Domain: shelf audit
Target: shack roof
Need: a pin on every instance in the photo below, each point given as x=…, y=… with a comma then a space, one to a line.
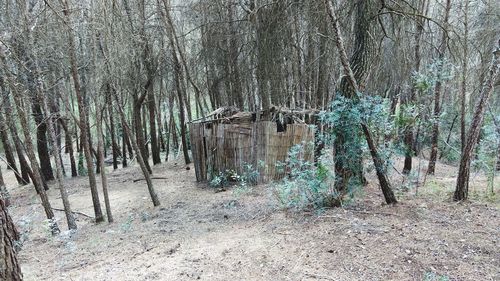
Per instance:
x=231, y=114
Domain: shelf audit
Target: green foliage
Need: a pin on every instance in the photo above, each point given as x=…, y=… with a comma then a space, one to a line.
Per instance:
x=82, y=171
x=487, y=152
x=127, y=225
x=343, y=122
x=431, y=276
x=307, y=186
x=438, y=71
x=249, y=176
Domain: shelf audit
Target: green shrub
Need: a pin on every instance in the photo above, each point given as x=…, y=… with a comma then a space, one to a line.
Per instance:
x=307, y=186
x=82, y=171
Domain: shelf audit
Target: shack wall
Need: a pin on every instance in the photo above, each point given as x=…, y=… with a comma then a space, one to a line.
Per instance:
x=218, y=147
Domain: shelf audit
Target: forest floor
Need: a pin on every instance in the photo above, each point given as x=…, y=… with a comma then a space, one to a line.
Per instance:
x=198, y=233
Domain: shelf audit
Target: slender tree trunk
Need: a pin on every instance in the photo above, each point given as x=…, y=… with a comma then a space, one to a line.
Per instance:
x=57, y=157
x=84, y=130
x=42, y=142
x=409, y=138
x=9, y=265
x=139, y=133
x=180, y=100
x=124, y=148
x=26, y=173
x=140, y=160
x=4, y=193
x=381, y=173
x=346, y=169
x=37, y=176
x=437, y=93
x=463, y=90
x=69, y=147
x=114, y=145
x=100, y=152
x=9, y=154
x=462, y=187
x=155, y=148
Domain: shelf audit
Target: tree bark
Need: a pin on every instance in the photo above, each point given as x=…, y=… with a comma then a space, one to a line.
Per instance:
x=114, y=145
x=100, y=152
x=42, y=142
x=437, y=93
x=9, y=265
x=409, y=138
x=37, y=176
x=82, y=108
x=155, y=148
x=26, y=173
x=3, y=190
x=9, y=154
x=359, y=63
x=140, y=160
x=462, y=187
x=463, y=90
x=57, y=156
x=69, y=147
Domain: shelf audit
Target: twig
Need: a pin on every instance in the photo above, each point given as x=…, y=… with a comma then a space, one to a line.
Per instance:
x=74, y=212
x=153, y=178
x=316, y=276
x=374, y=213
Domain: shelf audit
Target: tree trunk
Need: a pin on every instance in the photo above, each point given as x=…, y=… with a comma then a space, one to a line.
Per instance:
x=9, y=265
x=37, y=176
x=69, y=147
x=381, y=173
x=359, y=62
x=140, y=160
x=410, y=97
x=155, y=148
x=57, y=156
x=462, y=187
x=9, y=154
x=84, y=130
x=4, y=193
x=139, y=133
x=42, y=142
x=437, y=93
x=124, y=147
x=463, y=90
x=114, y=145
x=26, y=173
x=100, y=153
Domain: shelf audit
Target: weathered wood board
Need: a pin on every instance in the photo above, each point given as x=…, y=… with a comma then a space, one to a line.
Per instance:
x=218, y=147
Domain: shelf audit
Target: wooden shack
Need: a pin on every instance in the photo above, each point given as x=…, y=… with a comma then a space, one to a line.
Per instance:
x=228, y=140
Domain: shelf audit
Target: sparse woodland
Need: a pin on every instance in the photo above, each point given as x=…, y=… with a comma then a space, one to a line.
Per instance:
x=96, y=98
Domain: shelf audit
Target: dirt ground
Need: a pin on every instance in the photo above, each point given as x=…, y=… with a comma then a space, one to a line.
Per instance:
x=199, y=234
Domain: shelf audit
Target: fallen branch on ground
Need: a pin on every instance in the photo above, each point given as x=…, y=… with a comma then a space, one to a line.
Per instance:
x=74, y=212
x=153, y=178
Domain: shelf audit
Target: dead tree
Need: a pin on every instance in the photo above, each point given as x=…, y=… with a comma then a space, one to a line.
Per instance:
x=462, y=187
